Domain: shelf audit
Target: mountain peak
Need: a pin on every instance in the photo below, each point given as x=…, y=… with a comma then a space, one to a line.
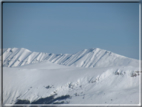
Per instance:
x=93, y=57
x=91, y=49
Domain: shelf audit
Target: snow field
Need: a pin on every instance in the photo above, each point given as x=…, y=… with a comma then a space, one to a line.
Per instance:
x=84, y=85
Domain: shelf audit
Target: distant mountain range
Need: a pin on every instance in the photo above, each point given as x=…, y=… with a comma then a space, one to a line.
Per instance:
x=88, y=58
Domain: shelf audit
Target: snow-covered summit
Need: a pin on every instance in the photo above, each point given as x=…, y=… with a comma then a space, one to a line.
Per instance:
x=88, y=58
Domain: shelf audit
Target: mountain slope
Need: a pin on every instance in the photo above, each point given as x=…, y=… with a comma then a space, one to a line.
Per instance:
x=91, y=76
x=88, y=58
x=33, y=82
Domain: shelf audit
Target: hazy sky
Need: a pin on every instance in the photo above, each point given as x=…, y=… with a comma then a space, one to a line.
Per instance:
x=71, y=27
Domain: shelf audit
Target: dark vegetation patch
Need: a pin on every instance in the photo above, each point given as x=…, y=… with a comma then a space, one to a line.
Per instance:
x=135, y=73
x=47, y=87
x=46, y=100
x=19, y=101
x=62, y=97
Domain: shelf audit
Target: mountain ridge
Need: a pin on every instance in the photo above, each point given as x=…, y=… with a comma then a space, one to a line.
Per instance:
x=88, y=58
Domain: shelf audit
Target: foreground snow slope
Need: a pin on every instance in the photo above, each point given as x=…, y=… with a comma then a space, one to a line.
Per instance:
x=88, y=58
x=107, y=85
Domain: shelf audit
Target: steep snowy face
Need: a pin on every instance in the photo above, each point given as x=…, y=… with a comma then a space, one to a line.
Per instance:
x=13, y=57
x=88, y=58
x=99, y=58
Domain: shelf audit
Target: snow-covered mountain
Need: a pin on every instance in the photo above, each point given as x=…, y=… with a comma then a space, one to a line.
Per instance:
x=88, y=58
x=91, y=76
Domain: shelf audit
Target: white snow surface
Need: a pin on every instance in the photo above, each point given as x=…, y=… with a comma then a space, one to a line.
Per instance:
x=91, y=76
x=88, y=58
